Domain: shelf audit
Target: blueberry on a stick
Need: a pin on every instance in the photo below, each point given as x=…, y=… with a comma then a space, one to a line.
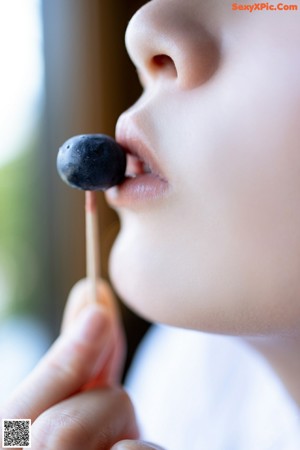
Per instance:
x=91, y=162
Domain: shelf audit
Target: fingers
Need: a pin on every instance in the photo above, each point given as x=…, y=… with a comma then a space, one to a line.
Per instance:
x=78, y=299
x=91, y=420
x=135, y=445
x=72, y=361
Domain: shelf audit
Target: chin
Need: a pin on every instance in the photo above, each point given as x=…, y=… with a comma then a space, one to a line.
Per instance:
x=210, y=294
x=146, y=283
x=132, y=279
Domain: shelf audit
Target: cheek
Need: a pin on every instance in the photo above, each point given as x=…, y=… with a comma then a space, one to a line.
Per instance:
x=255, y=186
x=258, y=173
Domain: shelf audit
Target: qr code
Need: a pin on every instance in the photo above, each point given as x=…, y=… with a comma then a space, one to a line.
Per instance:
x=16, y=433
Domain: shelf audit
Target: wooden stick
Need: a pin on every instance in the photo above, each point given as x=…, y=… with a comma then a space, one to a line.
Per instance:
x=92, y=242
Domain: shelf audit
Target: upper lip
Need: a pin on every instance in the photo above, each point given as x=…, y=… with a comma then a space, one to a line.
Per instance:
x=134, y=142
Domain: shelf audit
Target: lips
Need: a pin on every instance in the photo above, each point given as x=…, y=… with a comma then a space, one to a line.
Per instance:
x=144, y=179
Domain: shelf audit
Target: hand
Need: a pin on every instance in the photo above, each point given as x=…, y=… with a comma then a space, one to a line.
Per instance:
x=72, y=396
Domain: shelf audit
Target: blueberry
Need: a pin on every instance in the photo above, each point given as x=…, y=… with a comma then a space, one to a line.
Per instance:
x=91, y=162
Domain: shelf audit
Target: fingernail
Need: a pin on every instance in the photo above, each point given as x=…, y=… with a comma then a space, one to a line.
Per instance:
x=135, y=445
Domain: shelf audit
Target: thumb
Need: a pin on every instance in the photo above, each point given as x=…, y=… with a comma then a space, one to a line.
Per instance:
x=135, y=445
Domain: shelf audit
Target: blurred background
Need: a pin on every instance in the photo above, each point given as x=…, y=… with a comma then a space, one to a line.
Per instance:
x=64, y=71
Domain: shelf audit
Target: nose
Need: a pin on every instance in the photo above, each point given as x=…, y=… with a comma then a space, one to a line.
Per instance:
x=163, y=40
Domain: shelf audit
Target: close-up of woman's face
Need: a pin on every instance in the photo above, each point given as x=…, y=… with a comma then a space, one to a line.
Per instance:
x=210, y=220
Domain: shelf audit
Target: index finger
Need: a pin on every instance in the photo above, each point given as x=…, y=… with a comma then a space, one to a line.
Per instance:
x=69, y=364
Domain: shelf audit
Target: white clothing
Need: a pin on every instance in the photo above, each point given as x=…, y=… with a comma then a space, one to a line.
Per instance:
x=196, y=391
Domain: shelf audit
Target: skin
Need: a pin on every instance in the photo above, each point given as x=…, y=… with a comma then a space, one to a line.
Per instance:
x=220, y=252
x=78, y=381
x=225, y=128
x=221, y=111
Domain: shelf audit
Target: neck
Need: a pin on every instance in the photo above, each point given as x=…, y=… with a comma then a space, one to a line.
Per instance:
x=283, y=354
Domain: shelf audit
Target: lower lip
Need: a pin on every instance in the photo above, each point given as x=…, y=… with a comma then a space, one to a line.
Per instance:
x=138, y=190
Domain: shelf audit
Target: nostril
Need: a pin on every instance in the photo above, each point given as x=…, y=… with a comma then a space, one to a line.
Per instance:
x=162, y=60
x=163, y=63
